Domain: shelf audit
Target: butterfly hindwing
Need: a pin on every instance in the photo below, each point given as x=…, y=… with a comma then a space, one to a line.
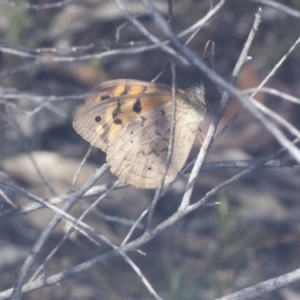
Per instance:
x=140, y=158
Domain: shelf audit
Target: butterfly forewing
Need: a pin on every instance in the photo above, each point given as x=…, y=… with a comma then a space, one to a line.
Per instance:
x=122, y=87
x=101, y=124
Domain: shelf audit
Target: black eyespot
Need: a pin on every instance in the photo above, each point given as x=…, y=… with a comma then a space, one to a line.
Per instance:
x=137, y=107
x=118, y=121
x=98, y=119
x=103, y=97
x=149, y=168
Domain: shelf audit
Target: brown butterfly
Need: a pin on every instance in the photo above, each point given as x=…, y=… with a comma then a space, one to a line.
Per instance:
x=130, y=120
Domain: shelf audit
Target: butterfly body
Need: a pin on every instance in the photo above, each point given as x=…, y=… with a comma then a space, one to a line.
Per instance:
x=131, y=120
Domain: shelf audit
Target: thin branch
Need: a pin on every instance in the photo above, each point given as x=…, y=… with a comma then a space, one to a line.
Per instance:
x=47, y=231
x=86, y=156
x=146, y=237
x=96, y=190
x=213, y=127
x=172, y=133
x=265, y=287
x=38, y=6
x=281, y=7
x=71, y=229
x=273, y=92
x=279, y=64
x=204, y=21
x=194, y=60
x=147, y=34
x=259, y=88
x=134, y=226
x=25, y=143
x=45, y=59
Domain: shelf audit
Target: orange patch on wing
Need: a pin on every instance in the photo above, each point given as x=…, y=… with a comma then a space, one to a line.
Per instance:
x=147, y=103
x=135, y=89
x=118, y=90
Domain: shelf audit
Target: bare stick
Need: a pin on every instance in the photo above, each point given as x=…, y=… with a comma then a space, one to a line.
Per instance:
x=36, y=6
x=281, y=7
x=172, y=133
x=194, y=60
x=52, y=224
x=213, y=127
x=265, y=287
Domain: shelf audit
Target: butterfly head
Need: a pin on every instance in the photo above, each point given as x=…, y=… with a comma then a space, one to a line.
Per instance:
x=198, y=90
x=195, y=96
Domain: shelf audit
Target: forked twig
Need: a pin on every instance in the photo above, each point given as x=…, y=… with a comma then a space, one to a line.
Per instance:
x=281, y=7
x=48, y=230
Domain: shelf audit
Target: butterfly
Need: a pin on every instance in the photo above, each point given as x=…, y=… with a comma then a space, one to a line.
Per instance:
x=131, y=120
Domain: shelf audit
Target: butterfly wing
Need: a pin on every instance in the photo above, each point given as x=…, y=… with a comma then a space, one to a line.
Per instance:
x=140, y=158
x=122, y=87
x=131, y=121
x=100, y=125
